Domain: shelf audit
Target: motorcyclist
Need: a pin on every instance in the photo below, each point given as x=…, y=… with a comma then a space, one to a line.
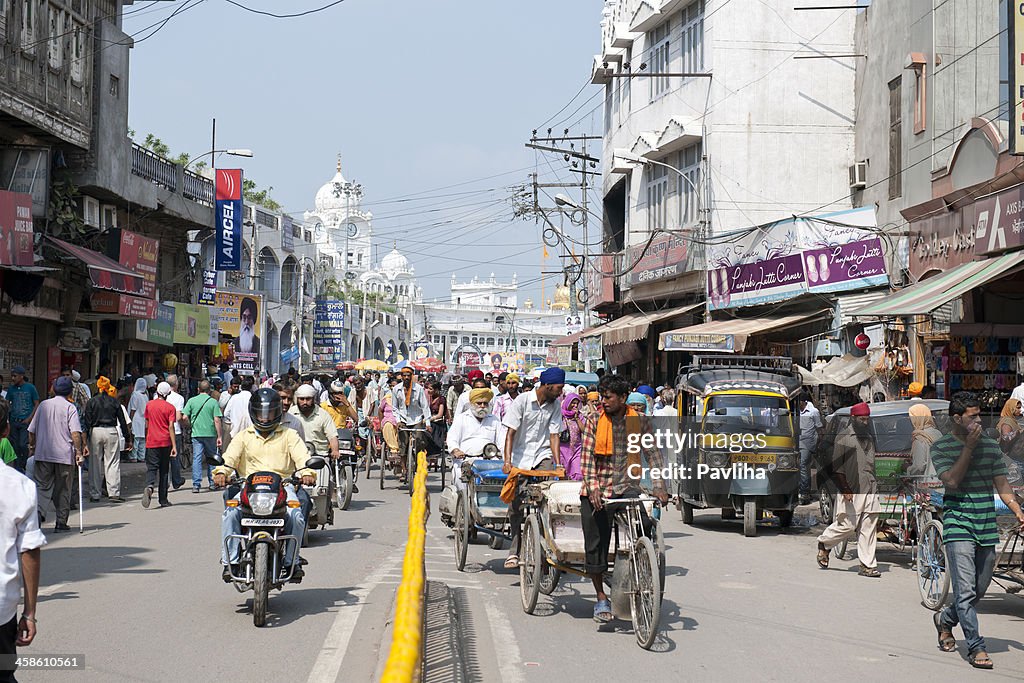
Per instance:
x=265, y=446
x=473, y=430
x=337, y=405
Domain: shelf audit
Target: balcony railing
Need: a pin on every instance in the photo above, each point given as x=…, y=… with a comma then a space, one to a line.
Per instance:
x=167, y=174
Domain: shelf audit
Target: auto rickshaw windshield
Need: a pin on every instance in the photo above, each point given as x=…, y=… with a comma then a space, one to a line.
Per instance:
x=737, y=414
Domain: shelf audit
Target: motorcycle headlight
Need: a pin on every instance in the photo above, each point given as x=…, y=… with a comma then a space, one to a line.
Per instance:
x=491, y=450
x=787, y=462
x=345, y=445
x=718, y=459
x=262, y=503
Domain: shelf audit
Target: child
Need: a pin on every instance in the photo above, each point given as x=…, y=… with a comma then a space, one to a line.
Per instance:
x=7, y=453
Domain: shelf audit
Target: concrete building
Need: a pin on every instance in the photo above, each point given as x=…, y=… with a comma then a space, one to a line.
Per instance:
x=711, y=128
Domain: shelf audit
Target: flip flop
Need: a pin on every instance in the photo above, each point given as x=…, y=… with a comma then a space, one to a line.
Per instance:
x=947, y=643
x=512, y=562
x=603, y=612
x=977, y=661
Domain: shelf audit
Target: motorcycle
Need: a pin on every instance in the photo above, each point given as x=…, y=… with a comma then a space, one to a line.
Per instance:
x=346, y=468
x=264, y=546
x=321, y=497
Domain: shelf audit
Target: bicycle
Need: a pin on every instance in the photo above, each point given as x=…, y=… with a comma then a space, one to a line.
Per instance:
x=411, y=450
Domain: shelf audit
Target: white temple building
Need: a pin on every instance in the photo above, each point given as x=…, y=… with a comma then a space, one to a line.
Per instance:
x=341, y=229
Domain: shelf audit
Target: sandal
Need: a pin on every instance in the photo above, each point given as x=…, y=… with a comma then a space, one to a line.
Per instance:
x=603, y=612
x=512, y=562
x=947, y=643
x=822, y=556
x=980, y=660
x=870, y=572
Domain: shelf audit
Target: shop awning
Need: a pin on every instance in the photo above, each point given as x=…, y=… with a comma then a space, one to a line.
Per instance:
x=570, y=339
x=730, y=336
x=635, y=326
x=926, y=296
x=105, y=272
x=841, y=371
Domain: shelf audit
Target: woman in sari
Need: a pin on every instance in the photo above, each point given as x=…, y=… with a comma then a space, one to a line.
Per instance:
x=572, y=436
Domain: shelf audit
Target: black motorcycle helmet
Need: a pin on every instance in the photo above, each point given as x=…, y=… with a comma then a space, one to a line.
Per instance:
x=265, y=410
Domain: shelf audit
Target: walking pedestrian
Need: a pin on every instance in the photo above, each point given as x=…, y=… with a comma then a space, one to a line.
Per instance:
x=811, y=427
x=100, y=421
x=137, y=413
x=24, y=400
x=969, y=464
x=203, y=413
x=160, y=446
x=857, y=506
x=178, y=401
x=56, y=441
x=20, y=541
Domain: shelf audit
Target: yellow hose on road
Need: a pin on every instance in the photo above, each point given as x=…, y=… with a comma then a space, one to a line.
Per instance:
x=405, y=658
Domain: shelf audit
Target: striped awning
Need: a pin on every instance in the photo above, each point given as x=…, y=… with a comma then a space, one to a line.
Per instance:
x=924, y=297
x=634, y=326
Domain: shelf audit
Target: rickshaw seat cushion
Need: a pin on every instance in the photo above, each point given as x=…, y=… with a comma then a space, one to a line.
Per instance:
x=562, y=497
x=489, y=469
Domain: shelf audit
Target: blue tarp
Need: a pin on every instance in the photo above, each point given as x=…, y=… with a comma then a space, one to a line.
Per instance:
x=576, y=378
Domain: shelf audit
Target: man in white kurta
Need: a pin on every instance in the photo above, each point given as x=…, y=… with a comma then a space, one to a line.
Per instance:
x=472, y=431
x=857, y=506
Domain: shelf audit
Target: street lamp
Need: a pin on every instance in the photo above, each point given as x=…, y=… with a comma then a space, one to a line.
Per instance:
x=644, y=161
x=230, y=152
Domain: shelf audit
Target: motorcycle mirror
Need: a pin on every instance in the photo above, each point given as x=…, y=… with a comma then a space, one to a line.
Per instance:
x=311, y=448
x=214, y=459
x=783, y=412
x=316, y=463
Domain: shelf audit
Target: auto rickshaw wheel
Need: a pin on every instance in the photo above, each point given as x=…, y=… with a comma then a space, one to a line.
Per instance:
x=728, y=513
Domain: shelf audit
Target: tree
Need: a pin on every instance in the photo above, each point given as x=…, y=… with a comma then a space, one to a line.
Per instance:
x=256, y=196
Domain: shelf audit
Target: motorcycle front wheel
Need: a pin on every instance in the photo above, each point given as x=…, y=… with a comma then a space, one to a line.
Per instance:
x=261, y=584
x=343, y=486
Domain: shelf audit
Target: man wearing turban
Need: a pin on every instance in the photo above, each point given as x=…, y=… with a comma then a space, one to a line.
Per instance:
x=472, y=430
x=100, y=421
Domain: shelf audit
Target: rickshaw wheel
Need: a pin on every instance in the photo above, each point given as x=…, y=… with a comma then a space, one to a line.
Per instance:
x=645, y=604
x=932, y=576
x=659, y=546
x=549, y=579
x=749, y=518
x=461, y=529
x=686, y=513
x=530, y=565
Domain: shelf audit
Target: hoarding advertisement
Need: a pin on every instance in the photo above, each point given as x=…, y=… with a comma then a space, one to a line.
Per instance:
x=140, y=254
x=208, y=297
x=239, y=316
x=328, y=333
x=15, y=229
x=228, y=219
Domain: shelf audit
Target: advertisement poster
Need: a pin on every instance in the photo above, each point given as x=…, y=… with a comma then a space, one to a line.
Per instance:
x=73, y=339
x=328, y=333
x=159, y=330
x=208, y=297
x=239, y=316
x=140, y=254
x=103, y=301
x=15, y=229
x=814, y=254
x=192, y=325
x=590, y=348
x=665, y=258
x=228, y=219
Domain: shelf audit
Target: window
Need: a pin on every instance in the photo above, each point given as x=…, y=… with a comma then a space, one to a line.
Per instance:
x=465, y=340
x=28, y=24
x=657, y=187
x=689, y=188
x=501, y=342
x=895, y=139
x=267, y=220
x=490, y=342
x=452, y=339
x=114, y=87
x=658, y=58
x=608, y=106
x=77, y=61
x=55, y=46
x=524, y=342
x=692, y=20
x=474, y=340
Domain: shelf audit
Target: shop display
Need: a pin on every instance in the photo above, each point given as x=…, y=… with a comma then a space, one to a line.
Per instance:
x=986, y=366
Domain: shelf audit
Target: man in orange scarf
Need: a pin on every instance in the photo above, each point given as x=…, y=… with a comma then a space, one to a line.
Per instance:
x=609, y=471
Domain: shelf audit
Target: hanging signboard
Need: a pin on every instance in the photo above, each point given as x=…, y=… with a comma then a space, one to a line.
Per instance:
x=192, y=325
x=228, y=219
x=15, y=229
x=208, y=297
x=140, y=254
x=239, y=316
x=665, y=258
x=328, y=332
x=159, y=330
x=819, y=254
x=590, y=348
x=1015, y=53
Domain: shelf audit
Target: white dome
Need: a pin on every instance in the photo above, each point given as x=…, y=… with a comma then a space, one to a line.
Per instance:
x=394, y=263
x=328, y=198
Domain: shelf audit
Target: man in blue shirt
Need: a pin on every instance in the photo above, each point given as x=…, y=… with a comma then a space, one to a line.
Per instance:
x=23, y=398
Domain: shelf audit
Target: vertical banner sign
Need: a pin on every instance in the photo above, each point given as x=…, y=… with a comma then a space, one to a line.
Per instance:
x=208, y=297
x=1015, y=28
x=239, y=316
x=140, y=254
x=328, y=335
x=15, y=229
x=228, y=219
x=287, y=234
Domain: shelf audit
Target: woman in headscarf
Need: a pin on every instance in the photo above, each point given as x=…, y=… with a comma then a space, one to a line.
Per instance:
x=137, y=411
x=594, y=404
x=1010, y=440
x=924, y=435
x=572, y=436
x=637, y=402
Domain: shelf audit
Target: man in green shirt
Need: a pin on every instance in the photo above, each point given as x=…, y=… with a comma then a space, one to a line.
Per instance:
x=7, y=453
x=969, y=465
x=203, y=412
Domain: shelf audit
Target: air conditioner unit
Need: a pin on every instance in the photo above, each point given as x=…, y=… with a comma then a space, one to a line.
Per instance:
x=109, y=214
x=91, y=211
x=859, y=175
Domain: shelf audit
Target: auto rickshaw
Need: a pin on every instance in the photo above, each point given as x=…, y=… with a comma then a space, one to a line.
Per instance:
x=739, y=433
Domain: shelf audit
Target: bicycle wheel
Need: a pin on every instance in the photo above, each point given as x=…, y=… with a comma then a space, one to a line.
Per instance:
x=383, y=465
x=645, y=603
x=410, y=465
x=461, y=529
x=549, y=579
x=932, y=577
x=530, y=564
x=659, y=545
x=368, y=455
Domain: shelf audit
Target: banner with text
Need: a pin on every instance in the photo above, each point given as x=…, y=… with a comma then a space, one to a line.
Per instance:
x=815, y=254
x=193, y=325
x=159, y=330
x=140, y=254
x=328, y=333
x=208, y=296
x=228, y=219
x=15, y=229
x=239, y=316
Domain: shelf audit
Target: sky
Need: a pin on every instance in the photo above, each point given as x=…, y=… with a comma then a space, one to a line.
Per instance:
x=428, y=103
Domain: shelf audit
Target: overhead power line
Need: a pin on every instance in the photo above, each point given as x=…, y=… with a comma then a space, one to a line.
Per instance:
x=285, y=16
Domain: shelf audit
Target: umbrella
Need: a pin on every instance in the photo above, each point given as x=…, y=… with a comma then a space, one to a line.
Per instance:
x=372, y=364
x=346, y=365
x=400, y=364
x=428, y=365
